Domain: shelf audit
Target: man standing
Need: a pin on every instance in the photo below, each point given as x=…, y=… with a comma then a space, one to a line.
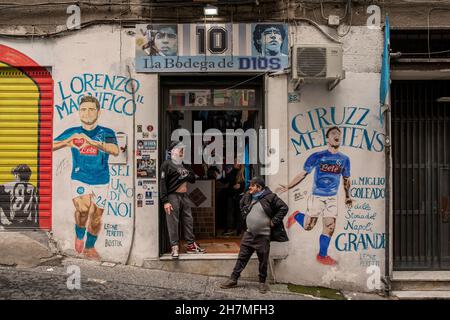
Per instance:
x=329, y=166
x=173, y=192
x=268, y=39
x=91, y=146
x=263, y=211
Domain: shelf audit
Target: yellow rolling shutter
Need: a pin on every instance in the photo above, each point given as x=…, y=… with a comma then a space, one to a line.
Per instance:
x=26, y=103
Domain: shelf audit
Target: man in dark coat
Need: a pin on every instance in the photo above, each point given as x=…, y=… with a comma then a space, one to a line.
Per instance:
x=175, y=175
x=263, y=212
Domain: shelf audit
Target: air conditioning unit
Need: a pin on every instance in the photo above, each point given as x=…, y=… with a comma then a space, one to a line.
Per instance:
x=312, y=63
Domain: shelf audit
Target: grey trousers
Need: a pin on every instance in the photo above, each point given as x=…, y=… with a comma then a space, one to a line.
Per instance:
x=249, y=244
x=181, y=210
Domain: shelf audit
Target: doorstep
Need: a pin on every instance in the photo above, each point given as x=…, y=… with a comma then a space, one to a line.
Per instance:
x=415, y=281
x=203, y=256
x=207, y=264
x=421, y=295
x=421, y=276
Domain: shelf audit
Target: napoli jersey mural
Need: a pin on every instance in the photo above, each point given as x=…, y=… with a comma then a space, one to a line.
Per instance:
x=329, y=166
x=90, y=165
x=91, y=145
x=328, y=170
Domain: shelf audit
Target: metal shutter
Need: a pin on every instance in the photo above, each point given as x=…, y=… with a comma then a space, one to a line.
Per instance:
x=26, y=116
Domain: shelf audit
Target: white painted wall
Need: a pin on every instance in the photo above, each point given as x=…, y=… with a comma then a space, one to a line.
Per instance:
x=360, y=89
x=108, y=50
x=103, y=50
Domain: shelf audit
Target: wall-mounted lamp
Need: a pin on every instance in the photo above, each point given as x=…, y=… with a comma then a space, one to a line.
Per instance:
x=443, y=99
x=210, y=10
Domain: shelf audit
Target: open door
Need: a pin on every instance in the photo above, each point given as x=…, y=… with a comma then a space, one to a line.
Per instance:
x=219, y=103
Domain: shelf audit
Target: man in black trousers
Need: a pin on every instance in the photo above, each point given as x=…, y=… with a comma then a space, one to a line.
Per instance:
x=263, y=212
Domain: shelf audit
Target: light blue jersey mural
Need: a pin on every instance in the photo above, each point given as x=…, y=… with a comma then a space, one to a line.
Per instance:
x=90, y=165
x=91, y=145
x=329, y=166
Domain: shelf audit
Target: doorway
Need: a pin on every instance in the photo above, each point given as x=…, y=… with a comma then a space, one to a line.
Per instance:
x=421, y=174
x=200, y=104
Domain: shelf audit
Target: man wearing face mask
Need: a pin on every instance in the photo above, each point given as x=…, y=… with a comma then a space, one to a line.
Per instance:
x=173, y=193
x=263, y=212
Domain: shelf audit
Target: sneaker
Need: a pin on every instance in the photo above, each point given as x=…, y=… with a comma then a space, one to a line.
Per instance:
x=263, y=287
x=230, y=283
x=175, y=252
x=328, y=261
x=194, y=248
x=291, y=219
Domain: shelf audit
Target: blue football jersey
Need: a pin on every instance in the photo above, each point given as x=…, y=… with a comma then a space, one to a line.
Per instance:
x=89, y=164
x=329, y=167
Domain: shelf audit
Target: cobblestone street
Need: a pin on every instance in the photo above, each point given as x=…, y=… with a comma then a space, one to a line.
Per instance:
x=121, y=283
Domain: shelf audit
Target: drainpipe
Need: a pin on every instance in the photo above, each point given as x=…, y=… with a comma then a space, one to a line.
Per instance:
x=387, y=277
x=134, y=168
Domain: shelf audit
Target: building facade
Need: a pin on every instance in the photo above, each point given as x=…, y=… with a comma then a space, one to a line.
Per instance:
x=220, y=73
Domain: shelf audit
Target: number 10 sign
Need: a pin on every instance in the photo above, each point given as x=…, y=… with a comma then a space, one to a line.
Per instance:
x=211, y=47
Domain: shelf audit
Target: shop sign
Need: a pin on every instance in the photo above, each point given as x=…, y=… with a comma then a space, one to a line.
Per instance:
x=231, y=47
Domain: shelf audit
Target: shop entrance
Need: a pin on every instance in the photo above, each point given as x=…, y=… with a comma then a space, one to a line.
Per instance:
x=200, y=104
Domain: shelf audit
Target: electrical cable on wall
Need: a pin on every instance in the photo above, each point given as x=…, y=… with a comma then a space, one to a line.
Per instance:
x=129, y=21
x=351, y=20
x=315, y=24
x=340, y=18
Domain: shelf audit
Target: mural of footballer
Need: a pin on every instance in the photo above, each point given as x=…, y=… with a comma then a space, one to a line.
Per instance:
x=91, y=145
x=329, y=166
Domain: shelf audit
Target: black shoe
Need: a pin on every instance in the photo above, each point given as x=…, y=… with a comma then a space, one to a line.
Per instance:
x=263, y=287
x=230, y=283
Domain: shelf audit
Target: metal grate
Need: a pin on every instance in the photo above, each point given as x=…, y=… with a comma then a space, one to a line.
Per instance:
x=421, y=175
x=312, y=62
x=414, y=43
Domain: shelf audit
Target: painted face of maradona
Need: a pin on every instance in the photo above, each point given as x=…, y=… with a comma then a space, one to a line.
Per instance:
x=166, y=41
x=271, y=41
x=334, y=138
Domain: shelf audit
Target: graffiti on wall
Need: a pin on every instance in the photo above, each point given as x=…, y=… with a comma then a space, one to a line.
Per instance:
x=91, y=146
x=310, y=129
x=114, y=93
x=319, y=136
x=19, y=201
x=25, y=151
x=328, y=166
x=359, y=232
x=119, y=205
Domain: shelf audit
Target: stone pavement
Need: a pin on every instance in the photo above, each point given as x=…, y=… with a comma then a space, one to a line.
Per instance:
x=31, y=269
x=25, y=249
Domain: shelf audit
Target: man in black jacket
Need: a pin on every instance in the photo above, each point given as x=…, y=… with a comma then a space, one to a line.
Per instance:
x=263, y=212
x=173, y=193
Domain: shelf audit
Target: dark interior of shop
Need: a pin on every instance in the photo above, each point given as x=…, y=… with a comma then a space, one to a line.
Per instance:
x=220, y=183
